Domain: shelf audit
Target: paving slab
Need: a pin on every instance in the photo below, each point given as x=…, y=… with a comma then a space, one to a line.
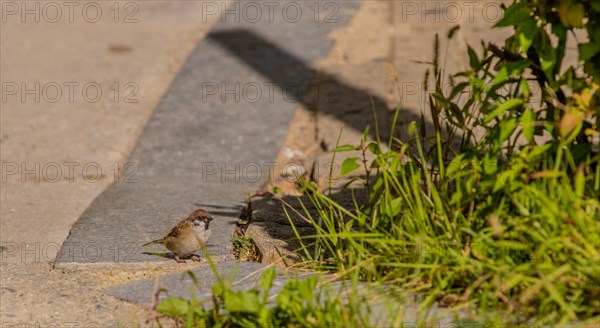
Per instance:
x=211, y=139
x=383, y=308
x=244, y=275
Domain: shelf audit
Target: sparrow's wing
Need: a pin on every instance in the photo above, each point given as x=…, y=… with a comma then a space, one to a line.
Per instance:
x=176, y=231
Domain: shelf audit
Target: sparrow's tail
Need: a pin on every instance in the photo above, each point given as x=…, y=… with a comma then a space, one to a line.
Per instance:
x=158, y=241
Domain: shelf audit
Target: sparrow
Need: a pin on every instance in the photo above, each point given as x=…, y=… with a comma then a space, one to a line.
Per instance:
x=187, y=236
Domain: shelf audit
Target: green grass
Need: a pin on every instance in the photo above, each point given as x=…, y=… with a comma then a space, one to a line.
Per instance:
x=507, y=223
x=307, y=302
x=487, y=234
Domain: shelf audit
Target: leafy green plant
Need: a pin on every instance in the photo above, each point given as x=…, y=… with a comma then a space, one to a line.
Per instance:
x=303, y=302
x=226, y=307
x=508, y=221
x=242, y=242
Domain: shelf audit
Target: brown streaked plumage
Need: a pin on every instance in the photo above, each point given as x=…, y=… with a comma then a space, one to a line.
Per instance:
x=188, y=235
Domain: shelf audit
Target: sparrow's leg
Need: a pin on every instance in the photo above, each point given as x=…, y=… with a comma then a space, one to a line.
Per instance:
x=178, y=259
x=196, y=258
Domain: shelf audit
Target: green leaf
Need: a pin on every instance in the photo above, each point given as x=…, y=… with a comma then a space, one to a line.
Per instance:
x=266, y=279
x=394, y=207
x=526, y=34
x=509, y=104
x=242, y=301
x=528, y=124
x=580, y=151
x=588, y=50
x=174, y=306
x=349, y=165
x=345, y=148
x=411, y=128
x=490, y=164
x=514, y=15
x=473, y=60
x=365, y=133
x=373, y=147
x=548, y=61
x=457, y=164
x=506, y=129
x=538, y=151
x=524, y=89
x=501, y=76
x=518, y=67
x=579, y=182
x=572, y=13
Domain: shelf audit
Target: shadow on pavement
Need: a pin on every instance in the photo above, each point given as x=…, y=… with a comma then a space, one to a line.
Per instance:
x=325, y=94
